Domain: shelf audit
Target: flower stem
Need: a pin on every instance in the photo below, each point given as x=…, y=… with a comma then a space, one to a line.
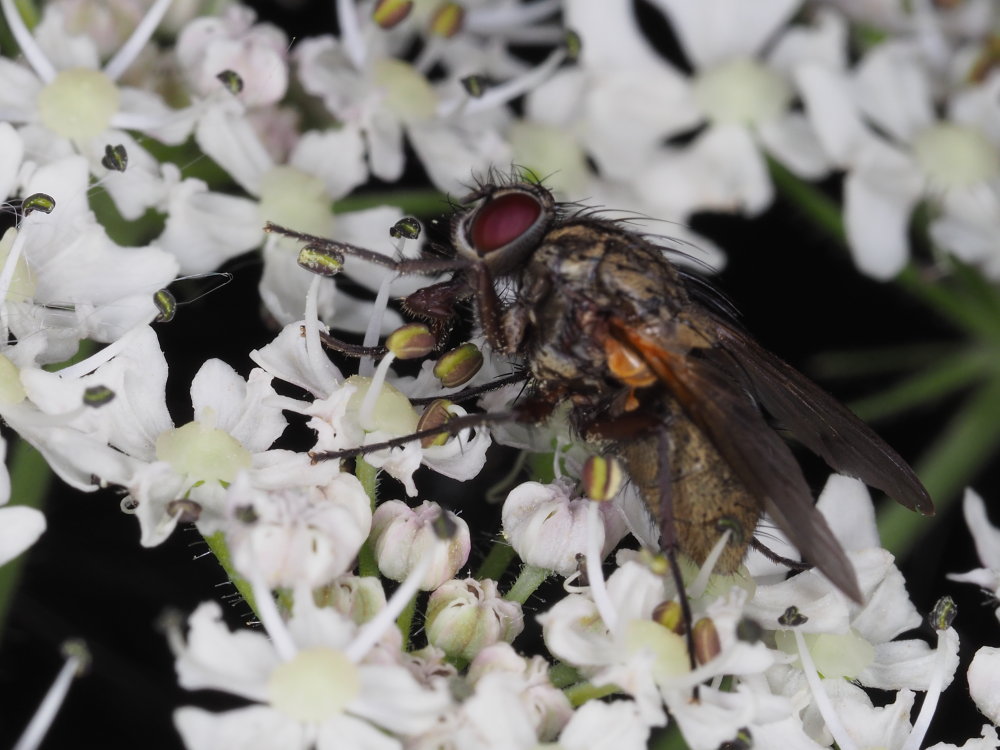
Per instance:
x=496, y=562
x=412, y=202
x=217, y=543
x=526, y=584
x=368, y=476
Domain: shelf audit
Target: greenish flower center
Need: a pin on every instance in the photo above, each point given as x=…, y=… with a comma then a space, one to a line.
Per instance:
x=407, y=93
x=314, y=686
x=292, y=198
x=78, y=104
x=204, y=453
x=393, y=412
x=741, y=92
x=953, y=155
x=11, y=390
x=669, y=650
x=22, y=284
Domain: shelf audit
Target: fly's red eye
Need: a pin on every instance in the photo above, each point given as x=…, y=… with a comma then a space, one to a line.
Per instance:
x=503, y=220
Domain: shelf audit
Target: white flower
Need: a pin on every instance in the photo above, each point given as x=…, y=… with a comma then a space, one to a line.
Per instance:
x=80, y=284
x=402, y=536
x=952, y=161
x=986, y=537
x=256, y=53
x=318, y=694
x=465, y=616
x=295, y=524
x=548, y=528
x=70, y=98
x=984, y=682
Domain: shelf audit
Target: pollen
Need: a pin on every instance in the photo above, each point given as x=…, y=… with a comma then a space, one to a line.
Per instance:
x=314, y=686
x=742, y=92
x=78, y=104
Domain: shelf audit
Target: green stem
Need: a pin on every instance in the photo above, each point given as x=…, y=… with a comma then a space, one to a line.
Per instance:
x=368, y=476
x=30, y=479
x=411, y=202
x=952, y=374
x=881, y=361
x=405, y=621
x=968, y=441
x=527, y=582
x=825, y=213
x=584, y=691
x=496, y=562
x=217, y=543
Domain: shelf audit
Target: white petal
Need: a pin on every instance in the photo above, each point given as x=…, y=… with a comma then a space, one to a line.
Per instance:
x=909, y=664
x=11, y=152
x=609, y=34
x=20, y=527
x=251, y=728
x=335, y=156
x=824, y=42
x=793, y=142
x=215, y=657
x=392, y=698
x=714, y=30
x=205, y=229
x=888, y=611
x=832, y=111
x=346, y=731
x=879, y=197
x=605, y=726
x=288, y=359
x=847, y=506
x=984, y=682
x=985, y=535
x=894, y=91
x=225, y=135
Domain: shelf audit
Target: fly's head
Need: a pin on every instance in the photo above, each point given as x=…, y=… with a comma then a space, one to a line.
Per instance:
x=501, y=225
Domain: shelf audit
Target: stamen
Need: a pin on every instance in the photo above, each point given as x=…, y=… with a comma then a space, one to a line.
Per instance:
x=350, y=32
x=271, y=619
x=367, y=410
x=367, y=366
x=370, y=633
x=826, y=710
x=77, y=658
x=697, y=588
x=97, y=359
x=491, y=19
x=595, y=572
x=6, y=276
x=923, y=722
x=506, y=91
x=314, y=348
x=26, y=41
x=129, y=51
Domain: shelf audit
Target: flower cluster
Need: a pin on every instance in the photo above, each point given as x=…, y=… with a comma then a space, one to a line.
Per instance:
x=143, y=140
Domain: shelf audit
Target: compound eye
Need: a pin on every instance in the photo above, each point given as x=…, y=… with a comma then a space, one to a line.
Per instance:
x=503, y=220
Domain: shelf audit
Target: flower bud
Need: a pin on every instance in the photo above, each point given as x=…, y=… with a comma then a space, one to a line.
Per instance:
x=358, y=597
x=548, y=529
x=402, y=536
x=464, y=617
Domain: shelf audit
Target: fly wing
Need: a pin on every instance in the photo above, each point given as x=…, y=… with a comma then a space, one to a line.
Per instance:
x=713, y=394
x=823, y=424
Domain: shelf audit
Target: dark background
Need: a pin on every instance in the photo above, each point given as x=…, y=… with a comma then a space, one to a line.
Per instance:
x=88, y=577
